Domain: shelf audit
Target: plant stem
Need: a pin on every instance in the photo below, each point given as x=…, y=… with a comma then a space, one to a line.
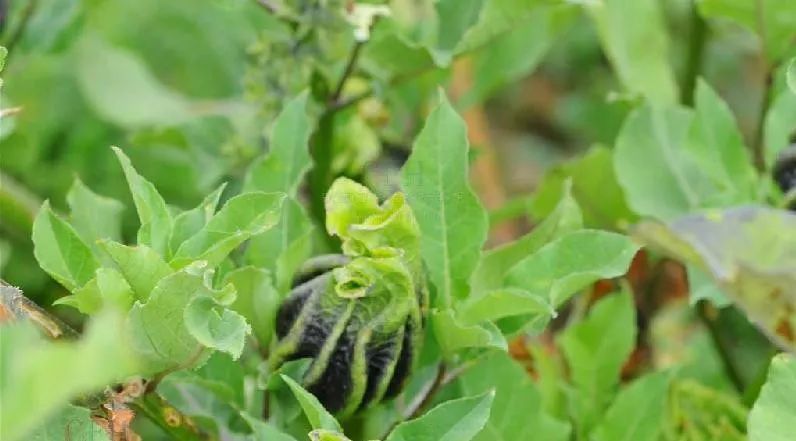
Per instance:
x=347, y=72
x=422, y=399
x=696, y=50
x=15, y=306
x=706, y=312
x=768, y=81
x=759, y=140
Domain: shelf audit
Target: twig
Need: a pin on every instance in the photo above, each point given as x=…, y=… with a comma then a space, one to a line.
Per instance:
x=15, y=306
x=705, y=310
x=349, y=69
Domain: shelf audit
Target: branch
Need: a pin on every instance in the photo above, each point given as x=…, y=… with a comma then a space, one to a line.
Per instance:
x=347, y=72
x=14, y=306
x=696, y=49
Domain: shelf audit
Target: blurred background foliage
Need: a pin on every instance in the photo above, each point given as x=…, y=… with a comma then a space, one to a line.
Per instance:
x=189, y=89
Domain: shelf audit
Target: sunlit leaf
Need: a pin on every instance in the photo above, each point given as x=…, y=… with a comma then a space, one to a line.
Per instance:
x=638, y=412
x=451, y=218
x=60, y=251
x=318, y=417
x=456, y=420
x=596, y=349
x=94, y=217
x=453, y=335
x=141, y=266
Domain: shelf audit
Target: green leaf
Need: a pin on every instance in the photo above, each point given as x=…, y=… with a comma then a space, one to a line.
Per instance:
x=456, y=420
x=455, y=17
x=107, y=288
x=239, y=219
x=773, y=20
x=637, y=413
x=751, y=254
x=636, y=41
x=513, y=55
x=452, y=221
x=190, y=222
x=791, y=75
x=318, y=417
x=572, y=262
x=141, y=266
x=215, y=326
x=452, y=335
x=71, y=422
x=152, y=211
x=773, y=416
x=676, y=184
x=257, y=300
x=506, y=302
x=594, y=188
x=288, y=158
x=143, y=100
x=37, y=377
x=60, y=251
x=595, y=350
x=718, y=147
x=517, y=412
x=283, y=248
x=94, y=217
x=390, y=55
x=495, y=263
x=160, y=333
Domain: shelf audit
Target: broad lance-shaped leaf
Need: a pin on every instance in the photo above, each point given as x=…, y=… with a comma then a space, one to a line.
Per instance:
x=596, y=349
x=750, y=252
x=452, y=221
x=140, y=265
x=773, y=415
x=507, y=302
x=283, y=248
x=572, y=262
x=288, y=158
x=318, y=417
x=718, y=146
x=190, y=222
x=456, y=420
x=167, y=329
x=495, y=263
x=37, y=377
x=675, y=184
x=779, y=125
x=239, y=219
x=637, y=413
x=94, y=217
x=517, y=412
x=152, y=211
x=453, y=335
x=60, y=251
x=635, y=39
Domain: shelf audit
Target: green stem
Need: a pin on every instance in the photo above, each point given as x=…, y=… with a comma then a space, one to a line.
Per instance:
x=758, y=145
x=705, y=312
x=696, y=50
